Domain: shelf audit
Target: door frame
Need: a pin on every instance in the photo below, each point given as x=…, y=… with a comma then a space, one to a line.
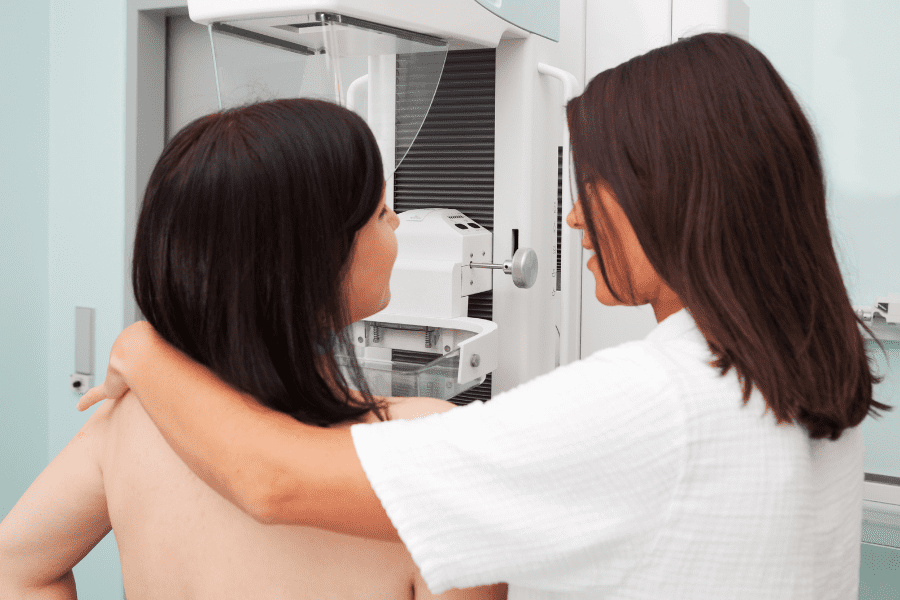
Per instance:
x=145, y=114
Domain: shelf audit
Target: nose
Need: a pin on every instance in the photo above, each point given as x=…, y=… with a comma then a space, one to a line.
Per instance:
x=573, y=219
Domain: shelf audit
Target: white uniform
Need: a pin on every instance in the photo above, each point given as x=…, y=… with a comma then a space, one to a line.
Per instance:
x=634, y=473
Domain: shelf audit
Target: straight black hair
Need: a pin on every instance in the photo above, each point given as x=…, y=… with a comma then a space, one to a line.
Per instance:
x=244, y=236
x=717, y=169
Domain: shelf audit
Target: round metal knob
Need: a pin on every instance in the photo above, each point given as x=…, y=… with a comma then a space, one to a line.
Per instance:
x=523, y=267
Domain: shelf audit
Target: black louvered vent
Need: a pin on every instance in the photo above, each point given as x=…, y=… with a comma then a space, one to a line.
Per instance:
x=559, y=219
x=451, y=162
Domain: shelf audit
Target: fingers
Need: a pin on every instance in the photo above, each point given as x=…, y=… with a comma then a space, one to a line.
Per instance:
x=91, y=397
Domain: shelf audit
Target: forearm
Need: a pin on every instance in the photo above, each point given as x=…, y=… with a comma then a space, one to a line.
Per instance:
x=273, y=467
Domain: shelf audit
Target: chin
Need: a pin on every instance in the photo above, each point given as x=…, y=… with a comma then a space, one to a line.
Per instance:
x=605, y=298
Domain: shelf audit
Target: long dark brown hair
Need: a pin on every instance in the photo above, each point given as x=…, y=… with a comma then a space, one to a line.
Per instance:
x=717, y=169
x=245, y=233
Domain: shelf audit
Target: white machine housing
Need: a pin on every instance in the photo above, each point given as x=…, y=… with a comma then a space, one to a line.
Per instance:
x=430, y=285
x=889, y=308
x=534, y=78
x=466, y=24
x=431, y=276
x=529, y=127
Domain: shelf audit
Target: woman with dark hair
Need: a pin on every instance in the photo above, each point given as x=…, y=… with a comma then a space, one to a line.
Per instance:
x=263, y=232
x=720, y=457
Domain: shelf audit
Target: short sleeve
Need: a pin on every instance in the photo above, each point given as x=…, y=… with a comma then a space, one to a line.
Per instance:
x=561, y=484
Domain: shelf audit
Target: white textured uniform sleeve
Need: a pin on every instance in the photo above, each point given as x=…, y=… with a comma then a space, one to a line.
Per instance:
x=561, y=484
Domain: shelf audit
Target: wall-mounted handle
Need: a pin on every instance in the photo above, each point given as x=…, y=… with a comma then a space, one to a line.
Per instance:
x=570, y=261
x=80, y=381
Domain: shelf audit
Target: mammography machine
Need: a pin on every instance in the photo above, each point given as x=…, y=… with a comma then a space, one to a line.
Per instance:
x=466, y=99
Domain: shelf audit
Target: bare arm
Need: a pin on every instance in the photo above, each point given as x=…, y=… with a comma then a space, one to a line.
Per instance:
x=271, y=466
x=58, y=520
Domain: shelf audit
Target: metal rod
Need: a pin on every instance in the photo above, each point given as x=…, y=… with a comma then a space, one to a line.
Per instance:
x=260, y=38
x=485, y=266
x=399, y=327
x=404, y=34
x=212, y=45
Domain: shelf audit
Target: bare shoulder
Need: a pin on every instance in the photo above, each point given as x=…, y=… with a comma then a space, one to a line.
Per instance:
x=110, y=420
x=415, y=407
x=106, y=409
x=97, y=426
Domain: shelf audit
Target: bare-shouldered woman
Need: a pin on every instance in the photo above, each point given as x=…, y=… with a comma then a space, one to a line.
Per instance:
x=262, y=235
x=178, y=538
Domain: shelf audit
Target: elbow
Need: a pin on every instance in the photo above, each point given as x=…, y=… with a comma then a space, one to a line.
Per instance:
x=261, y=509
x=262, y=501
x=248, y=485
x=279, y=500
x=253, y=485
x=244, y=492
x=252, y=499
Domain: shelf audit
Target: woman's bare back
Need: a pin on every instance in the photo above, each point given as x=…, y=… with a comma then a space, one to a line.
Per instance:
x=179, y=539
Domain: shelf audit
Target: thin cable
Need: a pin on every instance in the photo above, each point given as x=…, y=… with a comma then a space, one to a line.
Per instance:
x=212, y=46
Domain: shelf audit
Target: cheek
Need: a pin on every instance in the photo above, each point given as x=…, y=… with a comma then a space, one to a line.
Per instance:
x=390, y=251
x=394, y=245
x=381, y=264
x=601, y=291
x=387, y=258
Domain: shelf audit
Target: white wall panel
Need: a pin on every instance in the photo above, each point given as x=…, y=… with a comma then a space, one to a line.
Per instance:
x=615, y=32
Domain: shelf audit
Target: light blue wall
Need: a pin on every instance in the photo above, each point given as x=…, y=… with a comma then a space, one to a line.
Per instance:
x=63, y=188
x=842, y=59
x=538, y=16
x=62, y=152
x=23, y=248
x=856, y=81
x=86, y=220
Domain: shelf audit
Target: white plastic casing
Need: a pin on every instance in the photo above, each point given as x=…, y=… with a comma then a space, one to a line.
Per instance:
x=889, y=308
x=463, y=21
x=472, y=337
x=432, y=277
x=690, y=17
x=430, y=285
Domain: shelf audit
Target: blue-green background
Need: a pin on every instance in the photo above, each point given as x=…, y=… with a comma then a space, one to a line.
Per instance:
x=62, y=149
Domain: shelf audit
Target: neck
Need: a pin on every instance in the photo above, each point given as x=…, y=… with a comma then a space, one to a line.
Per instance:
x=665, y=304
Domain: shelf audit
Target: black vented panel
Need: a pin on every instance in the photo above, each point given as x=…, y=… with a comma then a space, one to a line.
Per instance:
x=451, y=162
x=481, y=306
x=559, y=220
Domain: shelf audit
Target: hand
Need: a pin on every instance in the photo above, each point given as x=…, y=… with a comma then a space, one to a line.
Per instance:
x=114, y=387
x=101, y=392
